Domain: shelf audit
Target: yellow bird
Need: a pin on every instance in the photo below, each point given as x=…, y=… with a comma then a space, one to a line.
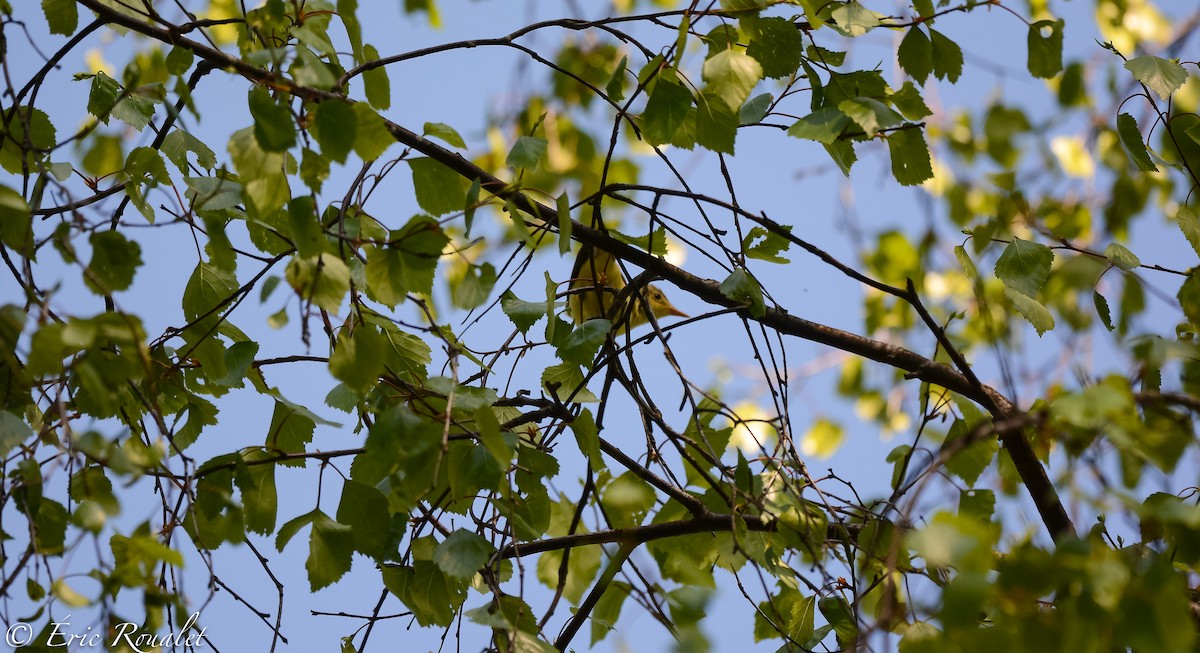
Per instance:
x=596, y=283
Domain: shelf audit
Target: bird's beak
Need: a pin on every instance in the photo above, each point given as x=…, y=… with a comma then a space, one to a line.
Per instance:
x=676, y=312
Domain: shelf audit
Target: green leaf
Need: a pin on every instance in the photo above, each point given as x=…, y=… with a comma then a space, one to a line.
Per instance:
x=50, y=526
x=965, y=261
x=1189, y=224
x=421, y=240
x=145, y=165
x=289, y=529
x=615, y=88
x=207, y=289
x=375, y=81
x=425, y=589
x=743, y=5
x=145, y=169
x=407, y=355
x=1072, y=87
x=497, y=444
x=778, y=46
x=1031, y=310
x=386, y=275
x=179, y=60
x=136, y=109
x=348, y=11
x=1189, y=296
x=899, y=457
x=1024, y=266
x=1121, y=257
x=358, y=358
x=581, y=346
x=31, y=128
x=681, y=38
x=755, y=109
x=290, y=431
x=1102, y=310
x=472, y=204
x=16, y=222
x=817, y=54
x=731, y=75
x=718, y=39
x=654, y=242
x=666, y=109
x=475, y=287
x=842, y=153
x=580, y=567
x=823, y=439
x=608, y=610
x=562, y=206
x=335, y=127
x=1163, y=76
x=103, y=96
x=67, y=595
x=743, y=289
x=823, y=125
x=114, y=262
x=837, y=611
x=527, y=152
x=870, y=114
x=324, y=280
x=371, y=138
x=853, y=19
x=768, y=248
x=439, y=189
x=365, y=510
x=444, y=132
x=909, y=102
x=522, y=313
x=1131, y=138
x=179, y=142
x=716, y=124
x=212, y=193
x=305, y=228
x=588, y=438
x=627, y=499
x=274, y=128
x=261, y=173
x=13, y=431
x=565, y=382
x=1045, y=52
x=314, y=169
x=330, y=548
x=200, y=413
x=62, y=15
x=462, y=554
x=910, y=156
x=260, y=501
x=977, y=504
x=915, y=54
x=947, y=57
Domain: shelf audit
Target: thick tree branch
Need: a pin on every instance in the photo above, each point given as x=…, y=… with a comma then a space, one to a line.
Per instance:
x=637, y=535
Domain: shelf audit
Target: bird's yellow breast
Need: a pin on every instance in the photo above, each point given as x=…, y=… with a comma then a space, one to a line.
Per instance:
x=595, y=290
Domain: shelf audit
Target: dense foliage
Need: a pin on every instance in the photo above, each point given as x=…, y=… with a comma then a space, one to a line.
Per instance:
x=206, y=234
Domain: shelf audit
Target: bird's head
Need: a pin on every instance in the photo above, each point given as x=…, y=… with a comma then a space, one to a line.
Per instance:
x=659, y=304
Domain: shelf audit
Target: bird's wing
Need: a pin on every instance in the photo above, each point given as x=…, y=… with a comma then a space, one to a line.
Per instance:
x=598, y=266
x=596, y=281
